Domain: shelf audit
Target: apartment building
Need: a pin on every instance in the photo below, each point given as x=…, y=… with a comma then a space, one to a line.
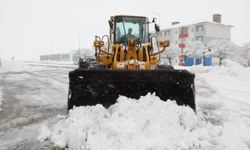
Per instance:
x=181, y=34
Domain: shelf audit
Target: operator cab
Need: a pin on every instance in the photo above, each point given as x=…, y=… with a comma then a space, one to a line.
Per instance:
x=124, y=28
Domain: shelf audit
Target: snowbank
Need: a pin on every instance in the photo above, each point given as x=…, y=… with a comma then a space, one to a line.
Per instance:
x=228, y=68
x=147, y=123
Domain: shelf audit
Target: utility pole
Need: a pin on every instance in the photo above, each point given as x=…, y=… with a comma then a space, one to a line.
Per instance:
x=79, y=43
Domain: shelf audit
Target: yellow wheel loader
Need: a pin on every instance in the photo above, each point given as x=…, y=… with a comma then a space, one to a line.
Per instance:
x=127, y=63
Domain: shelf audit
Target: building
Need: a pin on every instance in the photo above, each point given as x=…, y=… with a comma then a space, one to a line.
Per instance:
x=72, y=56
x=180, y=34
x=56, y=57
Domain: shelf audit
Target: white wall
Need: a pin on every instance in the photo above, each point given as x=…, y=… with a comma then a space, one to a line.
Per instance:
x=218, y=30
x=173, y=36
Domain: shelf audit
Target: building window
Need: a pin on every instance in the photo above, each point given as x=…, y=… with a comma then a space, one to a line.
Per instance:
x=199, y=38
x=167, y=34
x=184, y=30
x=199, y=28
x=192, y=30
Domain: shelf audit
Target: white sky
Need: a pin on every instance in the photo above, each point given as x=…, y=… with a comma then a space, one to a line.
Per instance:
x=29, y=28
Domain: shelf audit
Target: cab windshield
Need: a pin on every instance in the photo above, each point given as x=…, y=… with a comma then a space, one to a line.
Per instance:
x=127, y=27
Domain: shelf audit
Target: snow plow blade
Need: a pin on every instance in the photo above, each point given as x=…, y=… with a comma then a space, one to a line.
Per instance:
x=91, y=87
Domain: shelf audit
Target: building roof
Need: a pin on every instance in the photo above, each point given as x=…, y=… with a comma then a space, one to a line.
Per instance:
x=190, y=24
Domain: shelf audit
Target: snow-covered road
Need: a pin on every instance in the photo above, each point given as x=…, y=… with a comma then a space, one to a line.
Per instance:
x=30, y=95
x=223, y=98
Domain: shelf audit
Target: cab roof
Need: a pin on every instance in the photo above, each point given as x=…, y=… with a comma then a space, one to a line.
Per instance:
x=128, y=16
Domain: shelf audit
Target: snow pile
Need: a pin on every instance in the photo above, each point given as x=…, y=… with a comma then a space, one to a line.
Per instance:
x=147, y=123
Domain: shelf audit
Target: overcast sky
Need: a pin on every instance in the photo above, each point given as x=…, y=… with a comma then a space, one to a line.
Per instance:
x=29, y=28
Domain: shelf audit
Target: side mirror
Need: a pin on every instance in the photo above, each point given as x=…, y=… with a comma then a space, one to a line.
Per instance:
x=80, y=60
x=157, y=28
x=111, y=24
x=154, y=20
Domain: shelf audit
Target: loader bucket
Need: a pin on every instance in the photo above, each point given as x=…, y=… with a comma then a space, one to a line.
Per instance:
x=91, y=87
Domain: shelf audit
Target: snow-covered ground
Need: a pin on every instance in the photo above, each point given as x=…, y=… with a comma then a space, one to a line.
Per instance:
x=34, y=106
x=30, y=95
x=64, y=64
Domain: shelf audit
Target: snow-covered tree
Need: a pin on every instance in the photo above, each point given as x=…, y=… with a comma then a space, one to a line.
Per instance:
x=246, y=53
x=242, y=54
x=194, y=50
x=239, y=56
x=221, y=49
x=171, y=53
